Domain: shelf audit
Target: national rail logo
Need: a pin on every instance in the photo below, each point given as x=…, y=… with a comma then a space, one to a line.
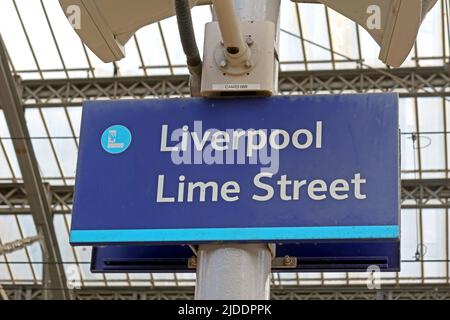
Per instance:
x=116, y=139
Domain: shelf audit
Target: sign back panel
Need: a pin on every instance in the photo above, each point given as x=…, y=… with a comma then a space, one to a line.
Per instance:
x=332, y=256
x=278, y=169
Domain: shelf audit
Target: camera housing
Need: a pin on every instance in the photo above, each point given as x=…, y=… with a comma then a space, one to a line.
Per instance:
x=257, y=77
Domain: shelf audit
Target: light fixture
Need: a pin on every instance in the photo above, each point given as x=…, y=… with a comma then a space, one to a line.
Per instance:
x=394, y=24
x=105, y=26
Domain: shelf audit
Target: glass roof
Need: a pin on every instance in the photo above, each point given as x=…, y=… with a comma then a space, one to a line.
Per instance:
x=42, y=45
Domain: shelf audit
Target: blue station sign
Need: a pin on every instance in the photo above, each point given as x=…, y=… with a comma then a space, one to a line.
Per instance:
x=280, y=169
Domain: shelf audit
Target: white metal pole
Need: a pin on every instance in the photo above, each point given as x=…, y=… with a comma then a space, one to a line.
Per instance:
x=238, y=271
x=230, y=27
x=233, y=272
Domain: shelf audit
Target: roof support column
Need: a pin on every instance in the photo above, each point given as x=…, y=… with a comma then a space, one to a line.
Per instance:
x=10, y=102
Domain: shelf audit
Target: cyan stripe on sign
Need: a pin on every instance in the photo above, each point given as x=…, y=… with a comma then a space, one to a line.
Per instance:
x=234, y=234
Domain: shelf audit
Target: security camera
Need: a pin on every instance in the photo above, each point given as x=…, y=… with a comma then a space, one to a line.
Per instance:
x=105, y=26
x=394, y=24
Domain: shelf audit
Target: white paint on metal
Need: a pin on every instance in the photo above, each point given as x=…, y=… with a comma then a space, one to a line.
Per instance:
x=239, y=271
x=233, y=272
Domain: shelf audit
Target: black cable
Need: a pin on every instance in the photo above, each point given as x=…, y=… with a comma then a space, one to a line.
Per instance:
x=187, y=34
